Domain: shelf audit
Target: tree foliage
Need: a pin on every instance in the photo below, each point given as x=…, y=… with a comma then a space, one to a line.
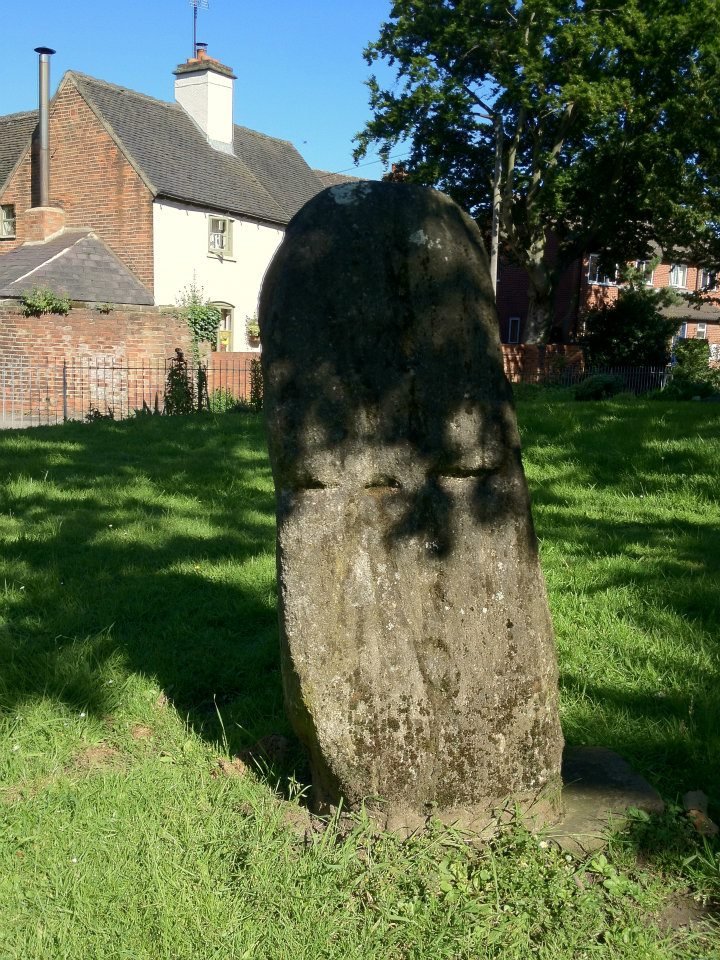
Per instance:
x=631, y=331
x=692, y=375
x=202, y=318
x=594, y=121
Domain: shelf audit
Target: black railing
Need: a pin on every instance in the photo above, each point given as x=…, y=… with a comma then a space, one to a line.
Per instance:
x=56, y=391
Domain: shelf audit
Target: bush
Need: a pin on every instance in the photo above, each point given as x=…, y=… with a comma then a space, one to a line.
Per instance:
x=692, y=375
x=221, y=400
x=256, y=386
x=599, y=386
x=179, y=387
x=40, y=300
x=631, y=331
x=202, y=318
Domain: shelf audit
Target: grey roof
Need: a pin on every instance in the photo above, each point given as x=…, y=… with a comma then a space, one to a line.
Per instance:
x=76, y=264
x=708, y=312
x=267, y=179
x=15, y=132
x=329, y=179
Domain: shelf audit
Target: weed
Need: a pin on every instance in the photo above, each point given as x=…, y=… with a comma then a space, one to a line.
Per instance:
x=40, y=300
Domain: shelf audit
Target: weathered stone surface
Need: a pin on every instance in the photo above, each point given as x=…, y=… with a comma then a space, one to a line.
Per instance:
x=418, y=657
x=599, y=788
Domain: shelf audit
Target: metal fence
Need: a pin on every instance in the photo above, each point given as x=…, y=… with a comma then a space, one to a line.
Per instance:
x=41, y=394
x=57, y=391
x=636, y=380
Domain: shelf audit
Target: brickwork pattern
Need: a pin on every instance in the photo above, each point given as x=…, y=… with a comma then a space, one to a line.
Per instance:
x=528, y=363
x=91, y=180
x=125, y=335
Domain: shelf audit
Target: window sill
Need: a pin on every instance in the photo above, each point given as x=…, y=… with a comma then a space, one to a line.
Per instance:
x=215, y=256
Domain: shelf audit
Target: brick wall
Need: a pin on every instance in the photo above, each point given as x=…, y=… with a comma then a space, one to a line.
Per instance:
x=126, y=334
x=53, y=367
x=93, y=182
x=528, y=363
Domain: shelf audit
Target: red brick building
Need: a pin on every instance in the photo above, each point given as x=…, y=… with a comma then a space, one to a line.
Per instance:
x=583, y=286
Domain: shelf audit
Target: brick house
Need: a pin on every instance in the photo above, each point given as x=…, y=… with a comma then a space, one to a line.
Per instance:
x=173, y=193
x=583, y=286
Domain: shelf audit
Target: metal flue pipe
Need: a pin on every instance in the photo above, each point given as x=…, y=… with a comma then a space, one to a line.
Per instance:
x=44, y=54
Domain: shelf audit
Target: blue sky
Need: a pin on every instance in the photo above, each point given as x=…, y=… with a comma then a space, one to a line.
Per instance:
x=298, y=62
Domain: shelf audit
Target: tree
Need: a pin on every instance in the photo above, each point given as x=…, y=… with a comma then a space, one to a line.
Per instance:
x=632, y=330
x=590, y=121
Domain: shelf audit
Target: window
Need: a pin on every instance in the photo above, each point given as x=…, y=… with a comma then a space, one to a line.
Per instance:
x=682, y=335
x=706, y=279
x=220, y=236
x=645, y=267
x=513, y=330
x=225, y=327
x=7, y=221
x=701, y=331
x=594, y=274
x=678, y=275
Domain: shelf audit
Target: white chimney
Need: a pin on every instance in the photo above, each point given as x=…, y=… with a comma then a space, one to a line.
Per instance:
x=204, y=89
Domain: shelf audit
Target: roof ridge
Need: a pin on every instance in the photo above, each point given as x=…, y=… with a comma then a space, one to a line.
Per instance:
x=265, y=136
x=169, y=103
x=20, y=115
x=121, y=89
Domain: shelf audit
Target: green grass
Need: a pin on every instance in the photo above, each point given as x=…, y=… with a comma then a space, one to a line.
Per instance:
x=138, y=644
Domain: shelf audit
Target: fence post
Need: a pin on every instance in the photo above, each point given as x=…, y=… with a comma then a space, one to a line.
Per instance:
x=64, y=391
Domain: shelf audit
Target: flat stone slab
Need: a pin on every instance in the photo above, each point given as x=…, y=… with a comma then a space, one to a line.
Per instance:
x=599, y=787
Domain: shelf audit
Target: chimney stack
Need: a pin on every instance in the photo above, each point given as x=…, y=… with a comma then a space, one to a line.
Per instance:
x=44, y=54
x=204, y=89
x=41, y=221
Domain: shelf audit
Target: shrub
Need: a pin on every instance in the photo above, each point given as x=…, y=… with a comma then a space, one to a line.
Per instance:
x=256, y=386
x=599, y=386
x=179, y=391
x=692, y=375
x=40, y=300
x=95, y=413
x=221, y=400
x=202, y=318
x=631, y=331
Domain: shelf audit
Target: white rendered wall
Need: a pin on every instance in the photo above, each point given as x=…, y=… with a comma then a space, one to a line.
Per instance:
x=208, y=98
x=180, y=243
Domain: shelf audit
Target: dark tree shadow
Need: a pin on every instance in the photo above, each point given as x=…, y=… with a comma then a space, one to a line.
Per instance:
x=116, y=536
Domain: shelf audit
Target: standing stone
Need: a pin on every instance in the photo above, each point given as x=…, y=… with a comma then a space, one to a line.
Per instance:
x=417, y=648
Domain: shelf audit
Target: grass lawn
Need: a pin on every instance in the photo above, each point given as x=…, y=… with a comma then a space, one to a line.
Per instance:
x=138, y=655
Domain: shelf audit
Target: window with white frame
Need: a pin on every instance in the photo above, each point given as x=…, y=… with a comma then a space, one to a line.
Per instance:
x=678, y=275
x=594, y=274
x=701, y=331
x=646, y=270
x=7, y=221
x=514, y=330
x=682, y=333
x=220, y=236
x=706, y=279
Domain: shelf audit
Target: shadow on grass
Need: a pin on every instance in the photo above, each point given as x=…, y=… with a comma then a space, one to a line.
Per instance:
x=150, y=544
x=628, y=520
x=147, y=544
